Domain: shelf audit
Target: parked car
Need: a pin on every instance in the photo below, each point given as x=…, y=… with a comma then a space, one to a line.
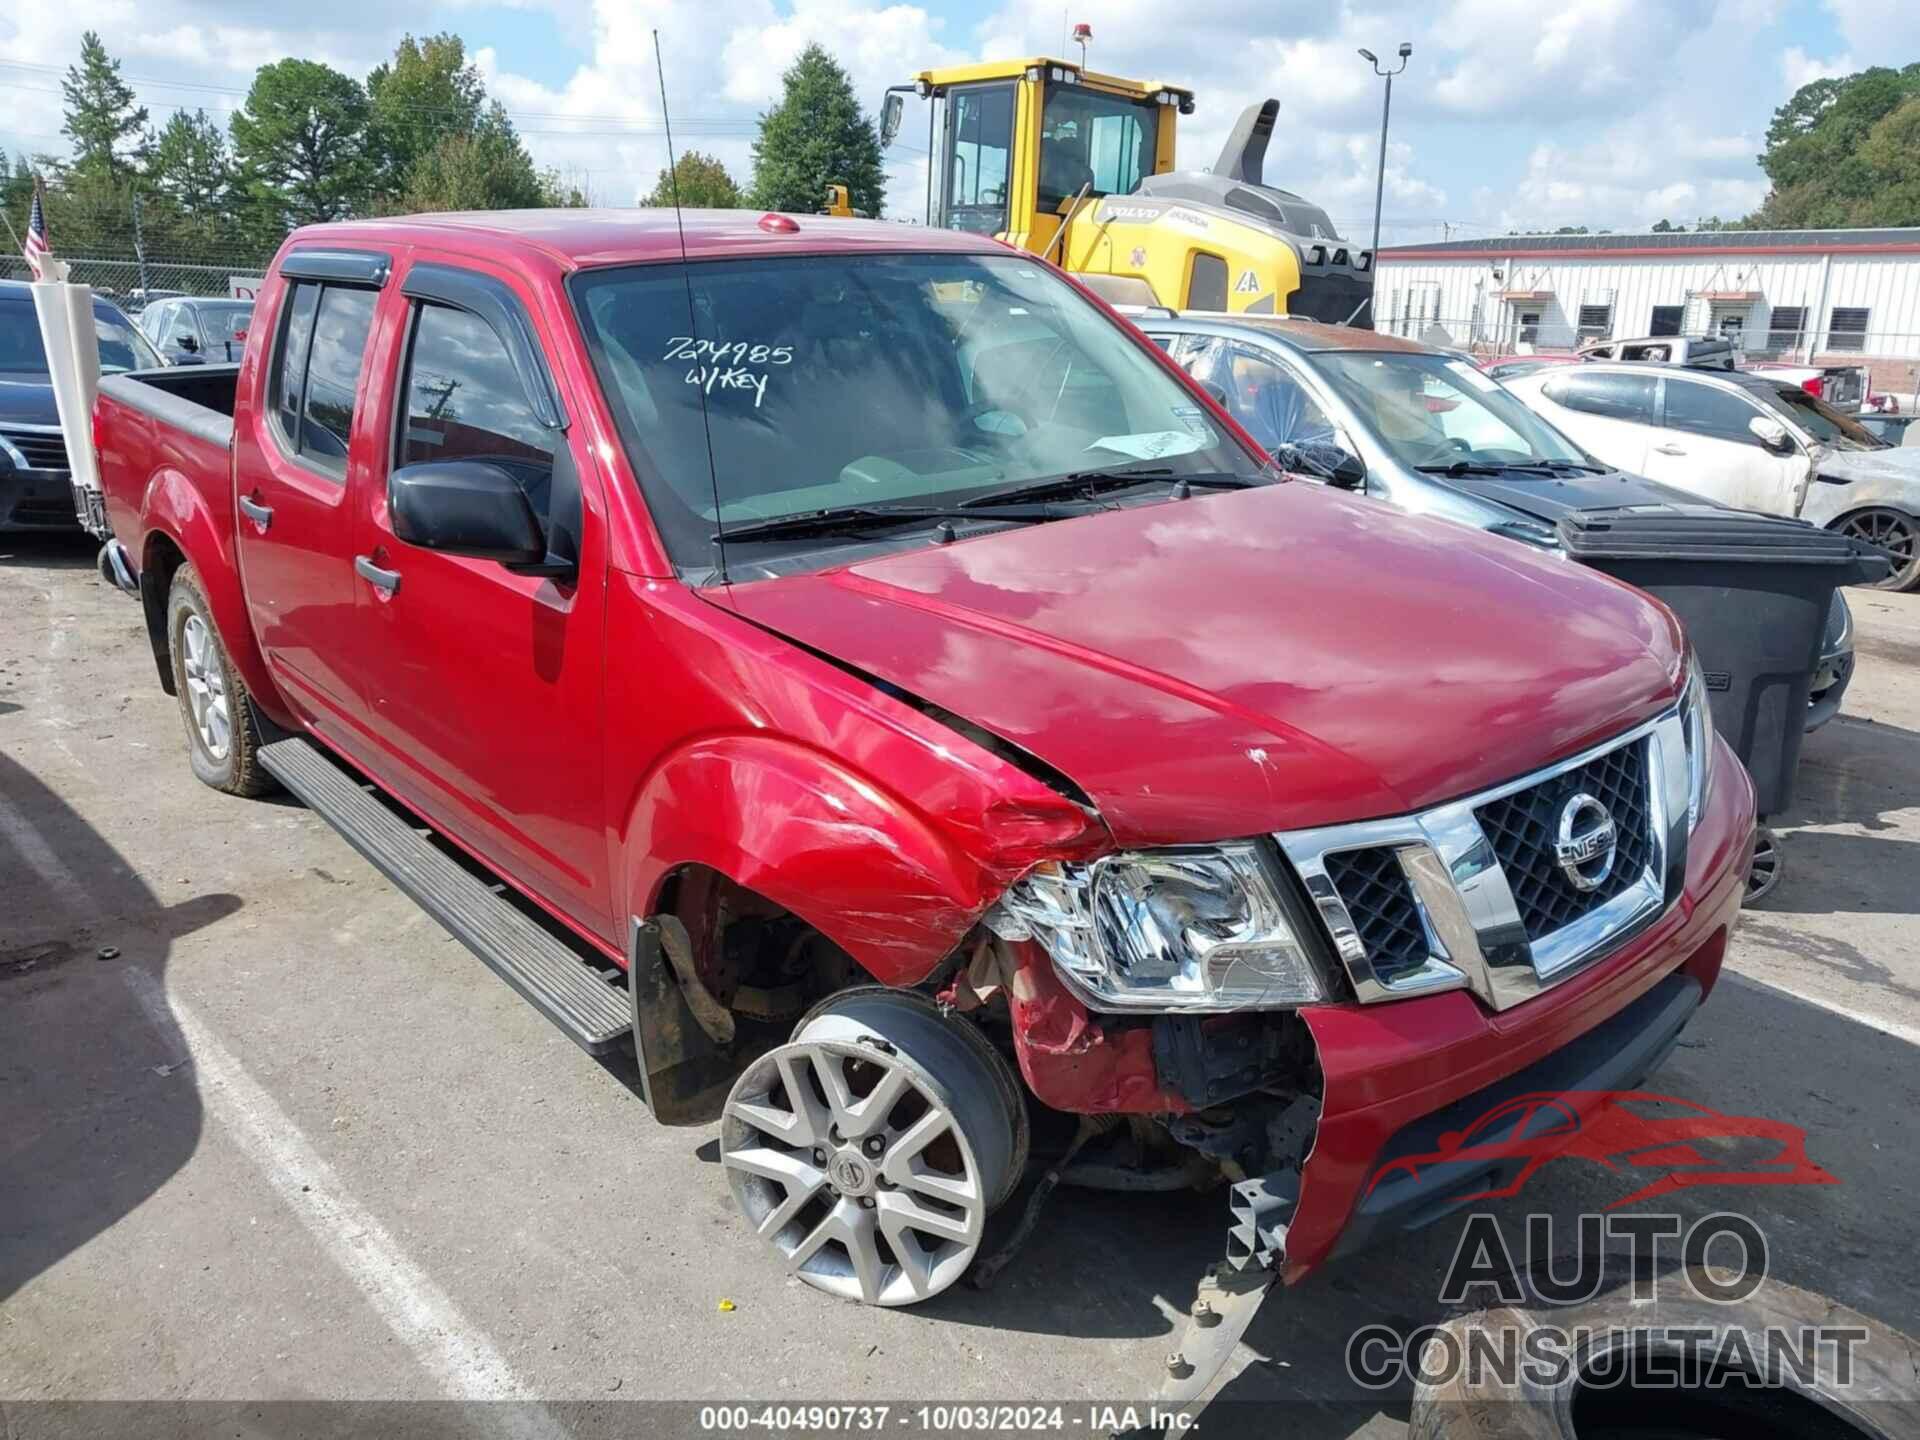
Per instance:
x=887, y=679
x=35, y=491
x=188, y=331
x=1505, y=367
x=1402, y=421
x=1746, y=441
x=1895, y=429
x=1844, y=387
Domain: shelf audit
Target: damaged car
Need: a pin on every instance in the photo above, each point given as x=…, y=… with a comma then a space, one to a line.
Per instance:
x=853, y=670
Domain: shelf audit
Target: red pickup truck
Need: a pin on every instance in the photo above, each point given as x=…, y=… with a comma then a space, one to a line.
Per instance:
x=851, y=666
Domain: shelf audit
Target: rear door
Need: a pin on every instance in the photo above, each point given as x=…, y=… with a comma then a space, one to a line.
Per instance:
x=294, y=456
x=483, y=685
x=1704, y=445
x=1610, y=413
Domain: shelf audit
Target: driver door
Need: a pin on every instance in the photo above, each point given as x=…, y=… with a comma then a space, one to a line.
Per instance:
x=483, y=686
x=1704, y=445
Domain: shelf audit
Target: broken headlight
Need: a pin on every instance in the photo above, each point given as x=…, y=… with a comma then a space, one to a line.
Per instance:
x=1696, y=720
x=1188, y=929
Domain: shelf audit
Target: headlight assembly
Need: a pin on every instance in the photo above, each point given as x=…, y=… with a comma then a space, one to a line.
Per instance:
x=1697, y=720
x=1187, y=929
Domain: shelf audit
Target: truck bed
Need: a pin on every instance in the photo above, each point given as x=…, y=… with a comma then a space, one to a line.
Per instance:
x=194, y=398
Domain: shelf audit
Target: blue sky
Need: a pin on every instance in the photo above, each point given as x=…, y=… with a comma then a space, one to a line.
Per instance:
x=1512, y=114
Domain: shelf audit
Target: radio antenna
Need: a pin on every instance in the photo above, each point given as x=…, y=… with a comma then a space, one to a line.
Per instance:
x=686, y=274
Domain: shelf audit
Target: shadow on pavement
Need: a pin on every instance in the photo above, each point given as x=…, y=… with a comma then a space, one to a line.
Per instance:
x=49, y=549
x=88, y=1129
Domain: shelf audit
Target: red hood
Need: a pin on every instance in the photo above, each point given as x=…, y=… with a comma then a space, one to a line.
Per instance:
x=1262, y=660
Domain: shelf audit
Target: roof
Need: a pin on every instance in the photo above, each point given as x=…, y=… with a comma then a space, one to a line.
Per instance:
x=21, y=292
x=946, y=75
x=1746, y=379
x=613, y=237
x=1308, y=335
x=1894, y=239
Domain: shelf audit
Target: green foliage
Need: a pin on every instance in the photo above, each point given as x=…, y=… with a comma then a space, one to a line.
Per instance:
x=427, y=92
x=301, y=140
x=1667, y=227
x=816, y=136
x=189, y=163
x=1841, y=152
x=704, y=184
x=486, y=169
x=107, y=128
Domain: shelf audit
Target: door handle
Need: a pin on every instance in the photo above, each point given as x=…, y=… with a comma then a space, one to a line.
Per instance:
x=260, y=515
x=1668, y=450
x=384, y=580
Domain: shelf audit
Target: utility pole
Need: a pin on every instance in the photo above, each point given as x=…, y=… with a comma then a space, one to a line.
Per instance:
x=1380, y=183
x=139, y=246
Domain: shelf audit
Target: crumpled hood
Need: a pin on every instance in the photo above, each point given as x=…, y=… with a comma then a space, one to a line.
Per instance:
x=1253, y=661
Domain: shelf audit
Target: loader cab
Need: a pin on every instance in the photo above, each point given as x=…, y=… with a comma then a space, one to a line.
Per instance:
x=1016, y=143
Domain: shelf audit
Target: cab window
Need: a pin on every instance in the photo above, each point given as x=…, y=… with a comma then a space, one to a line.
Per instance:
x=1710, y=411
x=979, y=158
x=1266, y=398
x=1102, y=143
x=316, y=371
x=465, y=402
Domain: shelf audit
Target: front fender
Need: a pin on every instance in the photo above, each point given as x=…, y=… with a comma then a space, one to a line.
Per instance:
x=175, y=512
x=1827, y=502
x=798, y=827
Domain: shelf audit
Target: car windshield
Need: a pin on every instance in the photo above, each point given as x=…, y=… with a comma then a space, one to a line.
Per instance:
x=226, y=319
x=830, y=382
x=1820, y=420
x=121, y=346
x=1433, y=411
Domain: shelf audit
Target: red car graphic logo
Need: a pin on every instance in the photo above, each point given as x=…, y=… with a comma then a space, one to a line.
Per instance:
x=1627, y=1131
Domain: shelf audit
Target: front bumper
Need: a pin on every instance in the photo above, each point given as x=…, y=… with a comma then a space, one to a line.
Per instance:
x=36, y=500
x=1389, y=1067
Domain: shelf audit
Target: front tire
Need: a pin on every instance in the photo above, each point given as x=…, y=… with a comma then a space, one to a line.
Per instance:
x=223, y=742
x=1895, y=532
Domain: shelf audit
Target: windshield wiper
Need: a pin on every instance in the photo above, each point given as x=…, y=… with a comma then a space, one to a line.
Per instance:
x=1092, y=482
x=1508, y=467
x=844, y=519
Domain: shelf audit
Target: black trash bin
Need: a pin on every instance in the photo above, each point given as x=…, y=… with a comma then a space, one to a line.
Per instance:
x=1753, y=592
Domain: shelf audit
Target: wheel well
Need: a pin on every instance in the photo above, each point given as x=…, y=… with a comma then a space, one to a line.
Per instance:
x=757, y=958
x=163, y=557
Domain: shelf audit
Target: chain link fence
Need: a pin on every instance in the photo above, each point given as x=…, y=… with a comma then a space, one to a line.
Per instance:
x=133, y=283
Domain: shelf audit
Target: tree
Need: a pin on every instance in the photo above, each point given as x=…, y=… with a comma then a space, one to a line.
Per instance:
x=426, y=92
x=488, y=169
x=704, y=184
x=1835, y=152
x=189, y=163
x=1667, y=227
x=301, y=140
x=106, y=126
x=817, y=135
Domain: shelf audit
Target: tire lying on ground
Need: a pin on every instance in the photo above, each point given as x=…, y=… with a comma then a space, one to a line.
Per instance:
x=1620, y=1386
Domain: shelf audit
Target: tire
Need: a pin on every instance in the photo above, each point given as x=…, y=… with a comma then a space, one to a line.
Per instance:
x=1879, y=1402
x=1895, y=531
x=223, y=740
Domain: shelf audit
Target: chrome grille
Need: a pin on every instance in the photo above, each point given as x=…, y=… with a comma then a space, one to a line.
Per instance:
x=1470, y=894
x=43, y=449
x=1385, y=915
x=1520, y=828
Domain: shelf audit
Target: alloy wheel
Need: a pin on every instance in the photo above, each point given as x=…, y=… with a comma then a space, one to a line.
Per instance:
x=1895, y=533
x=206, y=680
x=869, y=1171
x=1763, y=872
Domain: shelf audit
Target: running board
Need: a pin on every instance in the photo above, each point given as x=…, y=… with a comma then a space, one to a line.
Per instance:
x=594, y=1014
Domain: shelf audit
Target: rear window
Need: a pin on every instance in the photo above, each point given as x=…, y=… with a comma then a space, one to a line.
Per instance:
x=1614, y=396
x=828, y=381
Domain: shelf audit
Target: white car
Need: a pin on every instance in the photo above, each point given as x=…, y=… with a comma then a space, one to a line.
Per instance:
x=1743, y=440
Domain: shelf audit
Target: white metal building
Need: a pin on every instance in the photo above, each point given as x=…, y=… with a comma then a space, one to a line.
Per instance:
x=1828, y=296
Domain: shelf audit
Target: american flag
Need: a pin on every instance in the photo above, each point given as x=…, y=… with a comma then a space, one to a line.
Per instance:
x=36, y=249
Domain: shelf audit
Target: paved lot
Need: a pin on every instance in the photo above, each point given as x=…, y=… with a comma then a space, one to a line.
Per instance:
x=294, y=1142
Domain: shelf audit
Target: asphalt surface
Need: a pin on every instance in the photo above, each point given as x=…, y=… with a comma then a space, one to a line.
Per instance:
x=267, y=1133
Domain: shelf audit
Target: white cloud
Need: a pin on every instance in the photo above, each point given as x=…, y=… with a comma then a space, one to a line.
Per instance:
x=1798, y=68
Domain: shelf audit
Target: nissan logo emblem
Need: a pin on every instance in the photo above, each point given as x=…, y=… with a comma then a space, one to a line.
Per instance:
x=1584, y=842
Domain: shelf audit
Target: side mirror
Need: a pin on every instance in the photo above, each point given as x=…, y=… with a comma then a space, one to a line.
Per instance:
x=465, y=507
x=186, y=342
x=1772, y=434
x=1349, y=471
x=890, y=109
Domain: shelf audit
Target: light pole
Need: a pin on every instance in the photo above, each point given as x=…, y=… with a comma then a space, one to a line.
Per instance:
x=1380, y=184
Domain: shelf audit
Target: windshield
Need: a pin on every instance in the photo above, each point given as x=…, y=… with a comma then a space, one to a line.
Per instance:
x=1432, y=411
x=835, y=381
x=1819, y=419
x=121, y=346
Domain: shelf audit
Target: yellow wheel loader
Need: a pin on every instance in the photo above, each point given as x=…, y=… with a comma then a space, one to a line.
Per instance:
x=1078, y=167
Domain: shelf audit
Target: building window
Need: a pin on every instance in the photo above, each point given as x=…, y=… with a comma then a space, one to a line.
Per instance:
x=1848, y=330
x=1784, y=328
x=1596, y=323
x=1529, y=327
x=1666, y=319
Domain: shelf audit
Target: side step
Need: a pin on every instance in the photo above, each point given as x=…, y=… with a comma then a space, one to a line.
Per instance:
x=594, y=1014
